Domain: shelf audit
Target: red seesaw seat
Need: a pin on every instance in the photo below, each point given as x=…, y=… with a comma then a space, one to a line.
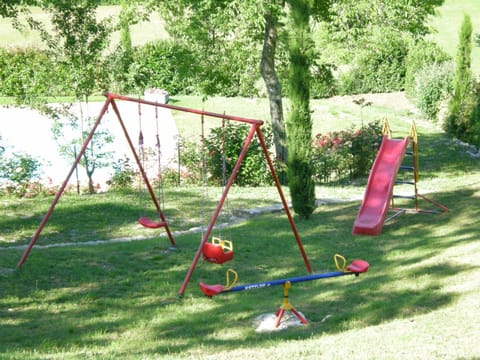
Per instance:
x=358, y=266
x=146, y=222
x=211, y=290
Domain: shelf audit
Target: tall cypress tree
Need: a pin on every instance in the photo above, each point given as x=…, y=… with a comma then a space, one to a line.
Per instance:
x=299, y=121
x=460, y=104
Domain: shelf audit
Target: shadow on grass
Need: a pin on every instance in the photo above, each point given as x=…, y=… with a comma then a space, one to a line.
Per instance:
x=126, y=294
x=97, y=217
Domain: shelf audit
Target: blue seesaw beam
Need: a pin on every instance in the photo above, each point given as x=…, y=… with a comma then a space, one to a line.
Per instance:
x=355, y=268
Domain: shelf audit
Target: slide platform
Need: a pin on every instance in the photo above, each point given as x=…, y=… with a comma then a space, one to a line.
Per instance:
x=371, y=216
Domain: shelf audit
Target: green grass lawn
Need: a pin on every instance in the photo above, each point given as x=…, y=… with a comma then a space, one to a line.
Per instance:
x=419, y=298
x=141, y=33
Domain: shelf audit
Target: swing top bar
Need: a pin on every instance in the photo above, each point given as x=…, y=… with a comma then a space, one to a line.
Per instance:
x=112, y=96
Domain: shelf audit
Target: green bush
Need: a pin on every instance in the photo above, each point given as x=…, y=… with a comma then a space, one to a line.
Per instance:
x=345, y=155
x=162, y=65
x=35, y=75
x=422, y=56
x=433, y=85
x=24, y=72
x=223, y=146
x=464, y=108
x=191, y=162
x=364, y=145
x=17, y=172
x=380, y=67
x=123, y=176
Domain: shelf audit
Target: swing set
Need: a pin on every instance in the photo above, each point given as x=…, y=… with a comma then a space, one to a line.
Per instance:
x=217, y=250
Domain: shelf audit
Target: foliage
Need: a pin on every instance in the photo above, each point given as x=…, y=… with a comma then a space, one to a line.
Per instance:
x=32, y=76
x=227, y=34
x=171, y=177
x=77, y=42
x=353, y=22
x=214, y=33
x=123, y=177
x=18, y=171
x=95, y=156
x=222, y=148
x=122, y=57
x=367, y=40
x=432, y=87
x=323, y=83
x=379, y=67
x=345, y=155
x=299, y=123
x=331, y=157
x=191, y=161
x=463, y=119
x=422, y=54
x=163, y=65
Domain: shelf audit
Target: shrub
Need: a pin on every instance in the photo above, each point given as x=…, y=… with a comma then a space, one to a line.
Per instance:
x=18, y=172
x=191, y=167
x=24, y=72
x=365, y=143
x=123, y=176
x=378, y=68
x=331, y=157
x=223, y=146
x=342, y=155
x=422, y=56
x=433, y=85
x=322, y=82
x=464, y=107
x=162, y=65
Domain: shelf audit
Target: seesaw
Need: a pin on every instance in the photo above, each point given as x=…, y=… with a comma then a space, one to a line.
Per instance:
x=356, y=267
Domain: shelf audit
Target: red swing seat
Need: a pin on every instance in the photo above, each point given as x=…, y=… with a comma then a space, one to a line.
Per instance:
x=146, y=222
x=218, y=251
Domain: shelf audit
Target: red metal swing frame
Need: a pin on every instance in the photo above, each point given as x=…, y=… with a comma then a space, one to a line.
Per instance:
x=255, y=129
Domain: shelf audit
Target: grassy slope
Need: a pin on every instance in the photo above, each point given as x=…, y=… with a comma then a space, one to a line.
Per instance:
x=141, y=33
x=448, y=22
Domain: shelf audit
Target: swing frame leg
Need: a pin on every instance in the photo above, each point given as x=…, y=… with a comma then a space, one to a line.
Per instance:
x=286, y=306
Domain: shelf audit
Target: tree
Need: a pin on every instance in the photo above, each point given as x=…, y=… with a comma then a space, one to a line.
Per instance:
x=76, y=43
x=463, y=118
x=353, y=21
x=368, y=41
x=218, y=29
x=299, y=124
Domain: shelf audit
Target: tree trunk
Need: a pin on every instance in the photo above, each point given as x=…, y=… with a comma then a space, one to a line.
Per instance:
x=274, y=91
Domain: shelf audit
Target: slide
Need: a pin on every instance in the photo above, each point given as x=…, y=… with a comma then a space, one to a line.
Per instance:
x=379, y=189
